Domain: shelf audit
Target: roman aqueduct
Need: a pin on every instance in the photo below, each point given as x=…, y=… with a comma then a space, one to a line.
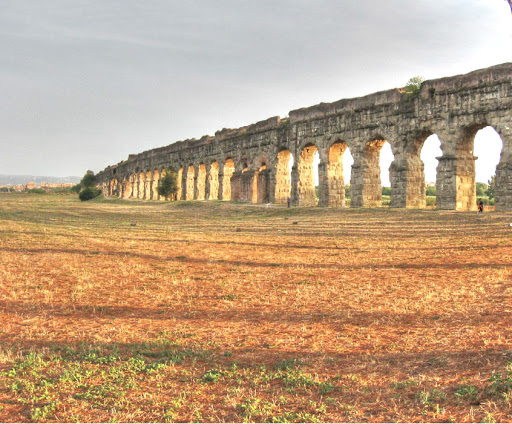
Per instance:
x=251, y=164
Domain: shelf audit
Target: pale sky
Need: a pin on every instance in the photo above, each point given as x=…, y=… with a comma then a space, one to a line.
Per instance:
x=85, y=83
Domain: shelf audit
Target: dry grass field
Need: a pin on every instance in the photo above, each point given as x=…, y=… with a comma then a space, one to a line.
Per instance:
x=117, y=310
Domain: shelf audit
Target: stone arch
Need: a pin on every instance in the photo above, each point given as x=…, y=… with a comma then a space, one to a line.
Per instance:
x=366, y=189
x=465, y=166
x=283, y=181
x=455, y=180
x=306, y=190
x=113, y=187
x=190, y=183
x=127, y=187
x=213, y=181
x=228, y=171
x=260, y=183
x=201, y=182
x=255, y=179
x=406, y=172
x=242, y=183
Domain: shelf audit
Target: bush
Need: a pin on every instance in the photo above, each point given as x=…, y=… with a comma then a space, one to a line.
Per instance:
x=431, y=191
x=386, y=191
x=481, y=188
x=88, y=193
x=431, y=200
x=36, y=191
x=413, y=86
x=89, y=180
x=168, y=185
x=76, y=188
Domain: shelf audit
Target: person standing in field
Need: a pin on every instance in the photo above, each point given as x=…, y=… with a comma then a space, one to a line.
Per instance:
x=480, y=206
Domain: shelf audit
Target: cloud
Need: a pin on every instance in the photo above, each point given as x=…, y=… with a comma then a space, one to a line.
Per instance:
x=123, y=76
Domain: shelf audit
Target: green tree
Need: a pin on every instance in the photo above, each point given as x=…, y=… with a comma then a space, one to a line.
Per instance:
x=481, y=188
x=168, y=184
x=430, y=191
x=492, y=186
x=386, y=191
x=413, y=86
x=76, y=188
x=348, y=192
x=88, y=180
x=88, y=187
x=88, y=193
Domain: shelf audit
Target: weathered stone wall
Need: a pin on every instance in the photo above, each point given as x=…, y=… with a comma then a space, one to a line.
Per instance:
x=250, y=163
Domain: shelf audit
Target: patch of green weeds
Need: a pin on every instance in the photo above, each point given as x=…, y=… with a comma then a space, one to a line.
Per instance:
x=211, y=376
x=430, y=398
x=402, y=385
x=501, y=383
x=299, y=417
x=231, y=297
x=326, y=388
x=98, y=376
x=467, y=392
x=439, y=361
x=293, y=378
x=43, y=413
x=288, y=364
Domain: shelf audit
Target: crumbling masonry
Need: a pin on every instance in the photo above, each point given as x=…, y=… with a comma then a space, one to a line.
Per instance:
x=251, y=164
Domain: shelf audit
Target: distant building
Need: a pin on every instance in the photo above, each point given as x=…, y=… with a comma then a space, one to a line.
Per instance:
x=55, y=185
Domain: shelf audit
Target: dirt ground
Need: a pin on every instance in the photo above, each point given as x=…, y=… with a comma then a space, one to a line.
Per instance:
x=116, y=310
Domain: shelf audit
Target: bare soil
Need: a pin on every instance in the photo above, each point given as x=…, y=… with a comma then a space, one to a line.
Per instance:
x=118, y=310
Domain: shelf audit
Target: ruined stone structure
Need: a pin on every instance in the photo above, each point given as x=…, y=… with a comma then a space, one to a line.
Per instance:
x=251, y=164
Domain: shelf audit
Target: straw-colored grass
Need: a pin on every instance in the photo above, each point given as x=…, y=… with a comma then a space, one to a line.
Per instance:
x=207, y=311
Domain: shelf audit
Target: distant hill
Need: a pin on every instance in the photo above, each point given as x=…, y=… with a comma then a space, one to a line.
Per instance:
x=24, y=179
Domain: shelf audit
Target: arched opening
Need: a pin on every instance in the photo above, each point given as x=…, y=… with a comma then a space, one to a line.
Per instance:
x=260, y=185
x=385, y=159
x=179, y=193
x=242, y=184
x=201, y=182
x=154, y=188
x=161, y=175
x=308, y=176
x=213, y=181
x=366, y=187
x=229, y=170
x=488, y=147
x=429, y=153
x=127, y=187
x=283, y=188
x=336, y=186
x=113, y=187
x=190, y=183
